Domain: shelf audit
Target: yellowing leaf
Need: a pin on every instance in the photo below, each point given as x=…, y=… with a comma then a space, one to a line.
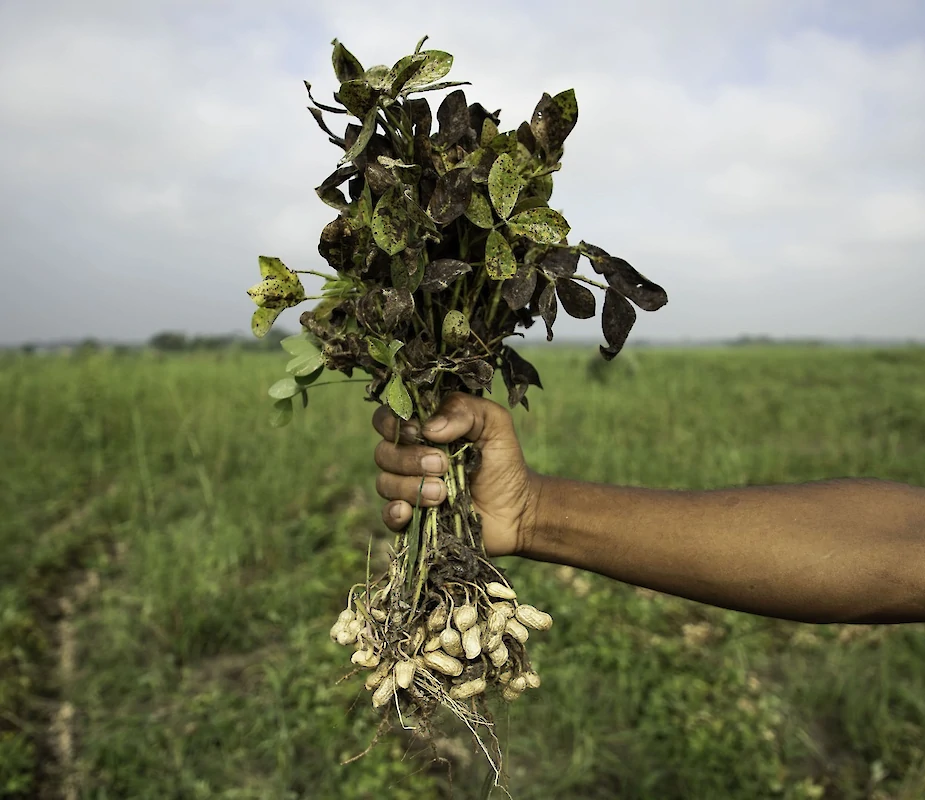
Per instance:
x=540, y=225
x=263, y=320
x=499, y=259
x=398, y=398
x=504, y=184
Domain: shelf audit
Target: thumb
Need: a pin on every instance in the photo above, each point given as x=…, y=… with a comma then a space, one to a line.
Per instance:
x=464, y=416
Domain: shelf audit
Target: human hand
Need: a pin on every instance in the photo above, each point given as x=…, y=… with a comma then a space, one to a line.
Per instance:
x=504, y=490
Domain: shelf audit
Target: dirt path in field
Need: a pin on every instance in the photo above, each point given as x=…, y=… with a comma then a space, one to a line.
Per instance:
x=60, y=779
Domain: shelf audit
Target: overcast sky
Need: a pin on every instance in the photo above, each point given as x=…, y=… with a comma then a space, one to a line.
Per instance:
x=762, y=160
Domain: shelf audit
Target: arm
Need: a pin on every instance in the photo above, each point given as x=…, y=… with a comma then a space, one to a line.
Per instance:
x=836, y=551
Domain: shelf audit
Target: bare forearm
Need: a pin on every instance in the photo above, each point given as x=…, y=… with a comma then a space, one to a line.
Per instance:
x=839, y=551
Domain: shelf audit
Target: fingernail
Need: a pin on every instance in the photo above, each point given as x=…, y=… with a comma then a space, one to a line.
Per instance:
x=436, y=424
x=395, y=511
x=410, y=429
x=432, y=490
x=432, y=463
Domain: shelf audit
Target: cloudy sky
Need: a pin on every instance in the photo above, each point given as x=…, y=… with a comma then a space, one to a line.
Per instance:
x=762, y=160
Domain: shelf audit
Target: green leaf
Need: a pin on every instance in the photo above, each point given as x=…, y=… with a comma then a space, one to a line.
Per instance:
x=305, y=364
x=366, y=133
x=479, y=211
x=298, y=344
x=308, y=380
x=394, y=346
x=346, y=66
x=379, y=350
x=398, y=398
x=263, y=320
x=284, y=389
x=499, y=259
x=540, y=225
x=437, y=65
x=390, y=224
x=282, y=413
x=504, y=184
x=455, y=328
x=436, y=87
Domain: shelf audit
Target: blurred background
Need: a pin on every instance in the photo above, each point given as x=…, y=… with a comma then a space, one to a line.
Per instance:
x=170, y=565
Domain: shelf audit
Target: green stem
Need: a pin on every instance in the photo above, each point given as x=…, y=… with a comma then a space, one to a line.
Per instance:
x=583, y=279
x=315, y=272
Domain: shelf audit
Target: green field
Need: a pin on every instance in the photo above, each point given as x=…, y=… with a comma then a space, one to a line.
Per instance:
x=170, y=567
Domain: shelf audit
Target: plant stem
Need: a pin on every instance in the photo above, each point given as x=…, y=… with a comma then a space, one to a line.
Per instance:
x=583, y=279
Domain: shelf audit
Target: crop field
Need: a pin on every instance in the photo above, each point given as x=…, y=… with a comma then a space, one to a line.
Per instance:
x=170, y=567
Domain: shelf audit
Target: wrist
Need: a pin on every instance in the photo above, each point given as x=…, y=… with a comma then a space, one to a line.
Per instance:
x=534, y=521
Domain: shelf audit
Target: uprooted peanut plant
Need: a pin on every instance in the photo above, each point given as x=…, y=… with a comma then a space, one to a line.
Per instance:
x=444, y=244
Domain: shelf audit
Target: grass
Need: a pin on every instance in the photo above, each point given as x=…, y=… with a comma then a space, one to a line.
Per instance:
x=171, y=566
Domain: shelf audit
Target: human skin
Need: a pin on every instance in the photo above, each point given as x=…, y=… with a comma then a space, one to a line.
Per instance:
x=844, y=550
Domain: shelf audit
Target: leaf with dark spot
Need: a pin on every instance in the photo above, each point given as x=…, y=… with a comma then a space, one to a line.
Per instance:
x=499, y=259
x=518, y=290
x=625, y=279
x=366, y=133
x=478, y=114
x=358, y=97
x=479, y=211
x=504, y=184
x=541, y=225
x=390, y=224
x=401, y=278
x=441, y=273
x=437, y=65
x=346, y=65
x=553, y=120
x=451, y=196
x=577, y=300
x=481, y=161
x=398, y=306
x=436, y=87
x=518, y=375
x=525, y=137
x=616, y=322
x=452, y=118
x=561, y=262
x=404, y=71
x=476, y=374
x=378, y=178
x=548, y=308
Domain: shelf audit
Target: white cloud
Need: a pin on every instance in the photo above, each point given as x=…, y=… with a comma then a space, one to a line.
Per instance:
x=148, y=152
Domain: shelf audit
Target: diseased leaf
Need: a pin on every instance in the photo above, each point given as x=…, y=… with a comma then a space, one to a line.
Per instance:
x=437, y=65
x=542, y=187
x=263, y=320
x=378, y=77
x=397, y=308
x=346, y=65
x=398, y=398
x=282, y=292
x=441, y=273
x=481, y=161
x=625, y=279
x=453, y=119
x=390, y=224
x=404, y=70
x=272, y=268
x=366, y=133
x=577, y=300
x=548, y=308
x=553, y=120
x=451, y=196
x=479, y=211
x=518, y=374
x=319, y=118
x=436, y=87
x=455, y=328
x=322, y=106
x=518, y=290
x=541, y=225
x=282, y=413
x=401, y=279
x=477, y=374
x=358, y=97
x=499, y=259
x=525, y=136
x=504, y=184
x=561, y=262
x=489, y=132
x=617, y=321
